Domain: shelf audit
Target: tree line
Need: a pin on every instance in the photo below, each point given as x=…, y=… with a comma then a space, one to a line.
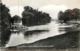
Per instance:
x=69, y=14
x=31, y=17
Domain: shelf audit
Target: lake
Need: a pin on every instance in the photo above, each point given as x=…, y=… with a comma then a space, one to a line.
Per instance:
x=36, y=33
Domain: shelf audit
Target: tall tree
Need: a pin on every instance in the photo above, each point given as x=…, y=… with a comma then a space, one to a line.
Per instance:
x=32, y=17
x=5, y=24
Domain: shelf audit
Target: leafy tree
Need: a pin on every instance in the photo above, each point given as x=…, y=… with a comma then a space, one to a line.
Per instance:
x=16, y=19
x=32, y=17
x=60, y=15
x=69, y=14
x=5, y=24
x=77, y=11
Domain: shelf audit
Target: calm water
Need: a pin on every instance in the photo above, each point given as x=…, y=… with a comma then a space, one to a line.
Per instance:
x=36, y=33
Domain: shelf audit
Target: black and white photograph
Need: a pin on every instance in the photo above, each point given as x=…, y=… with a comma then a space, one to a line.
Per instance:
x=40, y=25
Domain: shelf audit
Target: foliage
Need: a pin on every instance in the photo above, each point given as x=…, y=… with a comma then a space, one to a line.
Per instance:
x=16, y=19
x=5, y=24
x=32, y=17
x=69, y=14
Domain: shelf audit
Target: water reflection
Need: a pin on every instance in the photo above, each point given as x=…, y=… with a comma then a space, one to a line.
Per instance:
x=36, y=33
x=16, y=39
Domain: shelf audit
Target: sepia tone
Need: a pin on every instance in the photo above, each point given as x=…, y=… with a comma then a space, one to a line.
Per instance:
x=37, y=25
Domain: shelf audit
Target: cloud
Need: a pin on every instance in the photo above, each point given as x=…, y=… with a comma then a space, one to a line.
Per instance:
x=15, y=10
x=53, y=10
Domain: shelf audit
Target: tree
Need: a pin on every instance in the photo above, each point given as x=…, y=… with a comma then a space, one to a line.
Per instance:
x=5, y=24
x=69, y=14
x=60, y=15
x=77, y=11
x=16, y=19
x=32, y=17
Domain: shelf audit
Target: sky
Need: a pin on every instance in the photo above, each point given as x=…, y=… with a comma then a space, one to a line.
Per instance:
x=49, y=6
